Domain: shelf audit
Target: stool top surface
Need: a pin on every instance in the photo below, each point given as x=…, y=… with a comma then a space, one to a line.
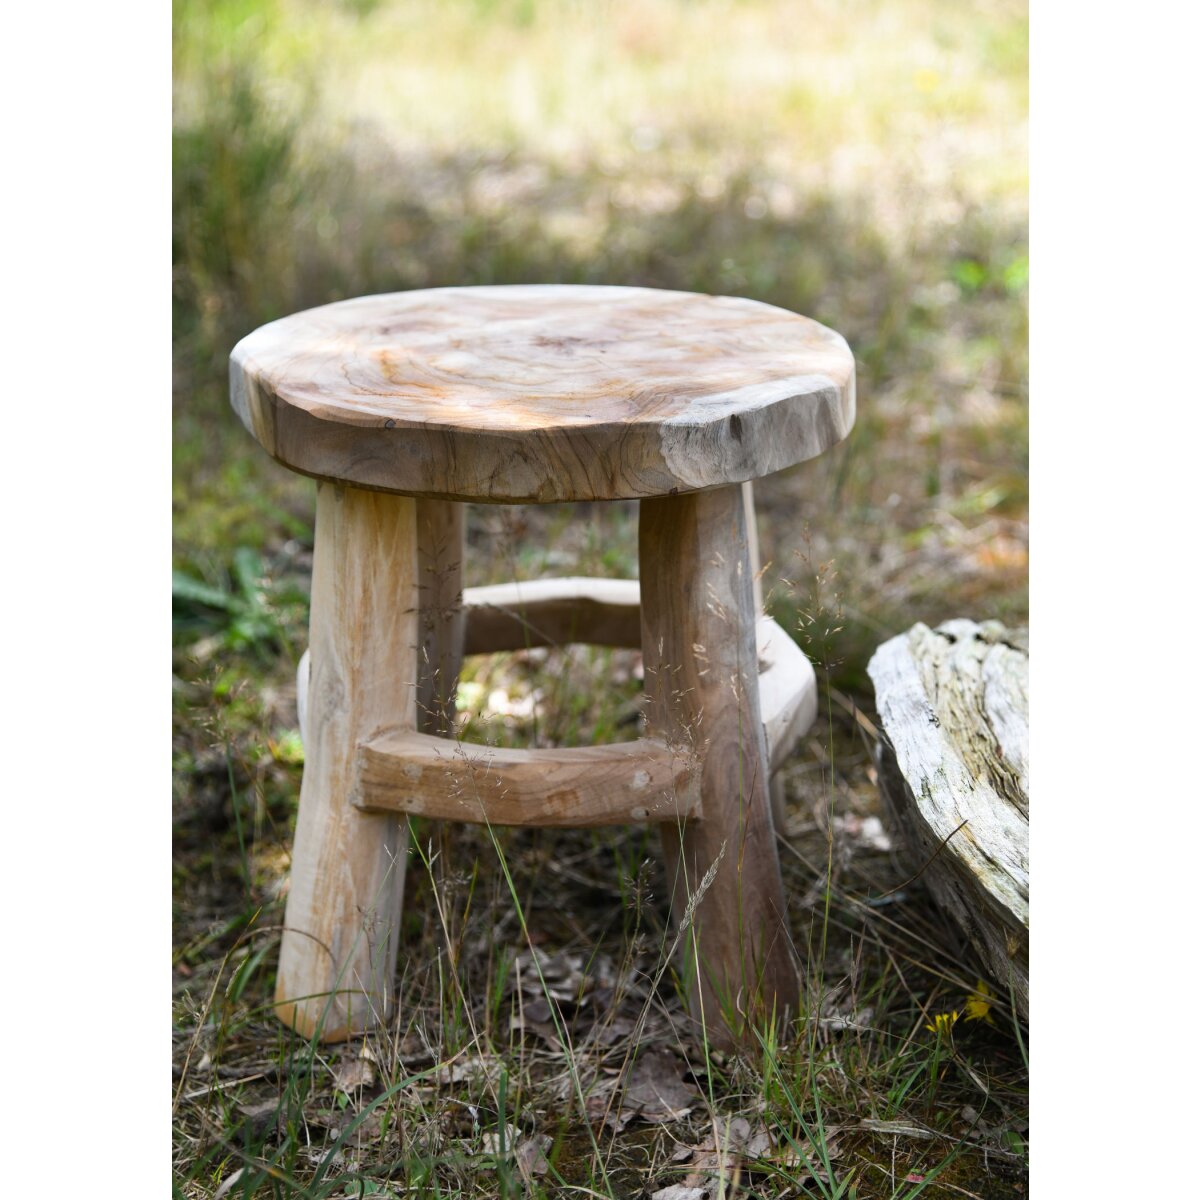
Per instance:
x=539, y=393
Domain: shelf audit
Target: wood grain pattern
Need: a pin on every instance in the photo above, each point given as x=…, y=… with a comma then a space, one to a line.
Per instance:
x=303, y=674
x=553, y=612
x=543, y=393
x=607, y=612
x=752, y=546
x=777, y=786
x=953, y=704
x=441, y=546
x=698, y=634
x=623, y=783
x=339, y=945
x=787, y=691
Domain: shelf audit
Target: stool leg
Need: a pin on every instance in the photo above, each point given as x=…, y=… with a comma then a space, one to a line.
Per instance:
x=440, y=553
x=338, y=955
x=752, y=547
x=698, y=642
x=778, y=794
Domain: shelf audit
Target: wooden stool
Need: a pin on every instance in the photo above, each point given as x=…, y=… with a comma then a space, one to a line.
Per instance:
x=405, y=405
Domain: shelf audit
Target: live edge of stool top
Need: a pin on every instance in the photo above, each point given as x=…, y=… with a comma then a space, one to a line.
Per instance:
x=543, y=393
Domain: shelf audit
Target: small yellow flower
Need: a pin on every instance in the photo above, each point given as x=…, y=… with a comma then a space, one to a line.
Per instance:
x=942, y=1024
x=979, y=1003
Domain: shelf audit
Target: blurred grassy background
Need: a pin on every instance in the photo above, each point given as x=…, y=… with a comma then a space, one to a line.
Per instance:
x=863, y=163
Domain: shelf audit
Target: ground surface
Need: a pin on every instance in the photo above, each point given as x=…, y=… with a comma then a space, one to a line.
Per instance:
x=862, y=164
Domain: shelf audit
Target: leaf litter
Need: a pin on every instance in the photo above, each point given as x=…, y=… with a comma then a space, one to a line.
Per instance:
x=735, y=1145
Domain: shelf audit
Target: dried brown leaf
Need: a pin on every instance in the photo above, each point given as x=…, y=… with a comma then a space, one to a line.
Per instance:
x=476, y=1067
x=261, y=1116
x=531, y=1156
x=612, y=1031
x=353, y=1074
x=367, y=1131
x=604, y=1107
x=546, y=1032
x=656, y=1089
x=493, y=1144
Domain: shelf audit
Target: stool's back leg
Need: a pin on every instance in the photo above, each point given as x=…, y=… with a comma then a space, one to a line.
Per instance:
x=778, y=796
x=698, y=640
x=441, y=549
x=752, y=546
x=338, y=956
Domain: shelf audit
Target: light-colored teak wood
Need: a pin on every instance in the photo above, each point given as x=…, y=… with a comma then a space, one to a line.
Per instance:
x=607, y=612
x=404, y=405
x=553, y=612
x=441, y=547
x=954, y=710
x=619, y=784
x=543, y=393
x=698, y=634
x=400, y=771
x=778, y=791
x=303, y=673
x=787, y=691
x=338, y=952
x=752, y=546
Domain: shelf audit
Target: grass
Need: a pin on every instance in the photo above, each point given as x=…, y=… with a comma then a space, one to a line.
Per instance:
x=861, y=163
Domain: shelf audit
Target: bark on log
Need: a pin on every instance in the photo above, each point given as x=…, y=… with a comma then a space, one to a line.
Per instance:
x=954, y=709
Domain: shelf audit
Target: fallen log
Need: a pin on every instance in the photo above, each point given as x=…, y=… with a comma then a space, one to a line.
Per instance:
x=954, y=771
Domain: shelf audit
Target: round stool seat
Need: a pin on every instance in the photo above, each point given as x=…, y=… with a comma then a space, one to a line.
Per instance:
x=543, y=393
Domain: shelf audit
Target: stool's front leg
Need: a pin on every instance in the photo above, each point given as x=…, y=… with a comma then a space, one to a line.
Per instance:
x=698, y=642
x=338, y=957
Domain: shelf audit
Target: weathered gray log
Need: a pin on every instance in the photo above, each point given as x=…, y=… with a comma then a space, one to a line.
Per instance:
x=954, y=709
